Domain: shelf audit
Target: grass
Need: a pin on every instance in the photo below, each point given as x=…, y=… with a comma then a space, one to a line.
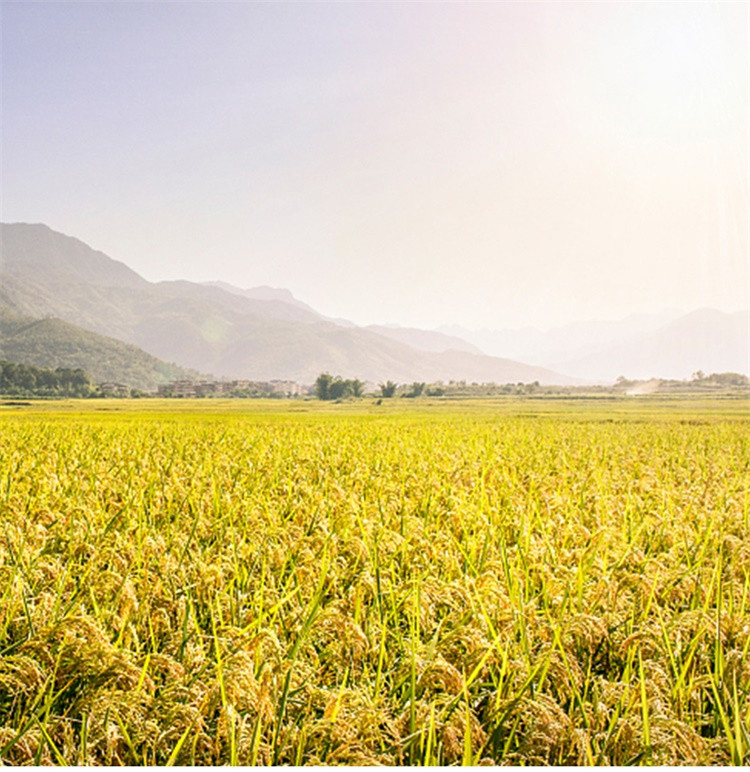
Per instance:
x=507, y=581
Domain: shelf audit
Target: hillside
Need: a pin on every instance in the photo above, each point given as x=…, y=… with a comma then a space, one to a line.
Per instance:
x=54, y=343
x=425, y=340
x=208, y=328
x=268, y=293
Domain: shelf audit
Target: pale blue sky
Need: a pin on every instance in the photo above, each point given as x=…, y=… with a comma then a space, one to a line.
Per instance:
x=487, y=164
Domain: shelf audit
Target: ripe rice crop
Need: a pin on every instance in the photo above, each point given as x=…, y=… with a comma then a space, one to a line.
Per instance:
x=510, y=582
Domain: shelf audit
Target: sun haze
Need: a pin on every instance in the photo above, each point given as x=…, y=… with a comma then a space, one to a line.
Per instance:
x=423, y=163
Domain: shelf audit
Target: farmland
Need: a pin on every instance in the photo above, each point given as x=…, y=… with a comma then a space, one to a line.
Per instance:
x=508, y=581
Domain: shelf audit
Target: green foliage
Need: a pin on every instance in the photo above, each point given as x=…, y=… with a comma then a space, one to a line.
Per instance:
x=416, y=390
x=26, y=381
x=322, y=385
x=388, y=389
x=327, y=387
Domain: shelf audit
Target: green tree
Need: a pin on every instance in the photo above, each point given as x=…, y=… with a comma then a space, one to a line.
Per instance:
x=329, y=387
x=322, y=385
x=388, y=389
x=26, y=379
x=338, y=388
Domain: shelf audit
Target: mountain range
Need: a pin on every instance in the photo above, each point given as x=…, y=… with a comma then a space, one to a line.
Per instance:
x=63, y=303
x=258, y=334
x=668, y=345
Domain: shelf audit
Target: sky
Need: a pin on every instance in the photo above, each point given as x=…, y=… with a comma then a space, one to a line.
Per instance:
x=487, y=164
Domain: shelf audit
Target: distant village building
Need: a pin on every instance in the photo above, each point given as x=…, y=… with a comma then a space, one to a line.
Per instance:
x=204, y=388
x=111, y=389
x=239, y=387
x=178, y=389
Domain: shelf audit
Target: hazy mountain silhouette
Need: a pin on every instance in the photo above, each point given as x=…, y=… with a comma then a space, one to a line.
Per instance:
x=424, y=340
x=706, y=339
x=208, y=328
x=672, y=344
x=268, y=293
x=265, y=292
x=565, y=342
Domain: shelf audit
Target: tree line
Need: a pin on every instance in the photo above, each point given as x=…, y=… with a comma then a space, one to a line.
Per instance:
x=330, y=387
x=28, y=381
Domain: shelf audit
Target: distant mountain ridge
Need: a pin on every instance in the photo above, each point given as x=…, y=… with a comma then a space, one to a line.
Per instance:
x=208, y=328
x=705, y=339
x=671, y=344
x=425, y=340
x=265, y=292
x=565, y=342
x=26, y=249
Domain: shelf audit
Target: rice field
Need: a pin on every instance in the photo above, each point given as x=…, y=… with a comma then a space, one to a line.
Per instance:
x=490, y=582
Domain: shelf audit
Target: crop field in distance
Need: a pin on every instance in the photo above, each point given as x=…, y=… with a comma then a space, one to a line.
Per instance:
x=507, y=581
